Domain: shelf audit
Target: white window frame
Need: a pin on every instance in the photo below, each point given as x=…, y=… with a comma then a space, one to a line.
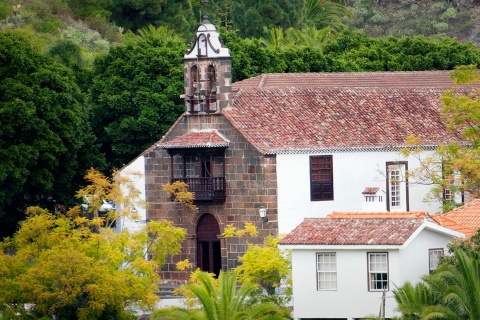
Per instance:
x=378, y=271
x=434, y=258
x=397, y=186
x=326, y=271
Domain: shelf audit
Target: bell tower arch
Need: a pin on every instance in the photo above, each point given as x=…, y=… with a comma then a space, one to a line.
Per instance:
x=207, y=71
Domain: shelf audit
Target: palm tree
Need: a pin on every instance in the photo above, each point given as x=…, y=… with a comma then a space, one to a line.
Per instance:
x=459, y=285
x=310, y=36
x=222, y=301
x=451, y=293
x=274, y=37
x=412, y=300
x=325, y=13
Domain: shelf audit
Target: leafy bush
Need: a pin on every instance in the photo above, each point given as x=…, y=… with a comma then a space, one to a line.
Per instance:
x=450, y=13
x=6, y=10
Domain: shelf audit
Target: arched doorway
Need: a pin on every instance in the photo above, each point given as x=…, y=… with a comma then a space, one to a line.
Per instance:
x=208, y=245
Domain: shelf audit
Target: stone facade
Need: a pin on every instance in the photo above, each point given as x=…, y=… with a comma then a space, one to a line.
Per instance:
x=251, y=183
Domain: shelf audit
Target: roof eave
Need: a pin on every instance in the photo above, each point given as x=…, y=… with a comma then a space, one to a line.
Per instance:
x=341, y=247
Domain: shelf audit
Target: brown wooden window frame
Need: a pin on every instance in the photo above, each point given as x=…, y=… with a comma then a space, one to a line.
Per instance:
x=404, y=192
x=321, y=178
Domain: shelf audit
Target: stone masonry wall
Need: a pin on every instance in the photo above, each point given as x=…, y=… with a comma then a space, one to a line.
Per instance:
x=251, y=183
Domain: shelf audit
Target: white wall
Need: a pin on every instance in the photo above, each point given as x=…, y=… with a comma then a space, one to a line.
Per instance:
x=136, y=166
x=352, y=298
x=417, y=251
x=352, y=172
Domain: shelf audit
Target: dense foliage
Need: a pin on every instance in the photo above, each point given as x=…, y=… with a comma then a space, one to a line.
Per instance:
x=45, y=135
x=135, y=96
x=449, y=293
x=64, y=265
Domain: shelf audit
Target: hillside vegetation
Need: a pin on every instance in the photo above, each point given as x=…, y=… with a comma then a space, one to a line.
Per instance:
x=95, y=25
x=455, y=18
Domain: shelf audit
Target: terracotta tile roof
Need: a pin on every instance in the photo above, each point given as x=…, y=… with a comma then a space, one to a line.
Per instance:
x=196, y=139
x=441, y=219
x=370, y=190
x=468, y=214
x=352, y=231
x=374, y=215
x=454, y=225
x=305, y=112
x=400, y=79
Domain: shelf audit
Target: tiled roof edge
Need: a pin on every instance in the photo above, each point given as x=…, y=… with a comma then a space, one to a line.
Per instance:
x=206, y=145
x=348, y=149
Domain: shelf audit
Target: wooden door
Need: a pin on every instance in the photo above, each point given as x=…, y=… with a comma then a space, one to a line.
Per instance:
x=208, y=245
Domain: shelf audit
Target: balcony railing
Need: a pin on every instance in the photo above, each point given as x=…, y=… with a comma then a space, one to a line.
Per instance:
x=206, y=189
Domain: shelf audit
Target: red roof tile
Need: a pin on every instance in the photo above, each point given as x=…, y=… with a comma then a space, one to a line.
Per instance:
x=378, y=231
x=370, y=190
x=374, y=215
x=294, y=113
x=196, y=139
x=400, y=79
x=440, y=219
x=468, y=214
x=446, y=222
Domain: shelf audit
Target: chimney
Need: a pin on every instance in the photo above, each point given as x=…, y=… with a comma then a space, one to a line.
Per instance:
x=373, y=200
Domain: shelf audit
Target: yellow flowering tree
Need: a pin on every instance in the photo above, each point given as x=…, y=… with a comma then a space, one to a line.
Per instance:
x=66, y=265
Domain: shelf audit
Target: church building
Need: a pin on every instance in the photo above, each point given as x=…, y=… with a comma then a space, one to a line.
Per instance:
x=277, y=148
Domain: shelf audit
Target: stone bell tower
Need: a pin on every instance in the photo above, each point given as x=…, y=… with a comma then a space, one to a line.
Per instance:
x=207, y=72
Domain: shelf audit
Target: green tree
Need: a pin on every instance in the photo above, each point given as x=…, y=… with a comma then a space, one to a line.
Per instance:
x=222, y=300
x=451, y=292
x=135, y=95
x=324, y=14
x=412, y=300
x=266, y=265
x=45, y=136
x=249, y=17
x=56, y=266
x=454, y=167
x=135, y=14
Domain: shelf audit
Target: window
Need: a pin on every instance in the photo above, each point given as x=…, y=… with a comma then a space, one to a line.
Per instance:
x=194, y=79
x=326, y=271
x=211, y=79
x=321, y=178
x=433, y=259
x=397, y=186
x=377, y=271
x=452, y=186
x=395, y=179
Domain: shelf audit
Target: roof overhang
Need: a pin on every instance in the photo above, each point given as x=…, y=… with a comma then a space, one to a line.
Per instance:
x=196, y=139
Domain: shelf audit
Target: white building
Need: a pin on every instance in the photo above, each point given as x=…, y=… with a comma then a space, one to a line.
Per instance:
x=342, y=267
x=297, y=144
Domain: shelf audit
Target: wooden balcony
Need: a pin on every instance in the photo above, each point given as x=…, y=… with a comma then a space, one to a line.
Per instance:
x=206, y=189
